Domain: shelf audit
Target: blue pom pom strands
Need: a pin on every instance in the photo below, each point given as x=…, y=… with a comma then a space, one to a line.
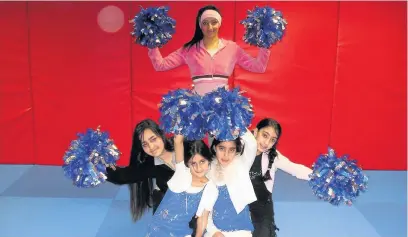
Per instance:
x=86, y=159
x=181, y=112
x=264, y=26
x=227, y=113
x=337, y=180
x=152, y=27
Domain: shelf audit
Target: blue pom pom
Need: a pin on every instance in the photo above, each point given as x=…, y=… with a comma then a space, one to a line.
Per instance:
x=227, y=113
x=181, y=112
x=337, y=180
x=86, y=159
x=153, y=27
x=263, y=27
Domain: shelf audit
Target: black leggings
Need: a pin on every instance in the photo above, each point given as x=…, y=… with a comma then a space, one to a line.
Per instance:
x=263, y=219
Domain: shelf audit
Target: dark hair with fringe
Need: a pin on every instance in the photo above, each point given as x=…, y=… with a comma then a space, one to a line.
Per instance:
x=191, y=148
x=237, y=141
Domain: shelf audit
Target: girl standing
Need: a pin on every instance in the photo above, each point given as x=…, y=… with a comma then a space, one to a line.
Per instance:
x=211, y=60
x=268, y=159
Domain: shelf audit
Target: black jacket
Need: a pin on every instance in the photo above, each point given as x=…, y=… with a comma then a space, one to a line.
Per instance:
x=137, y=173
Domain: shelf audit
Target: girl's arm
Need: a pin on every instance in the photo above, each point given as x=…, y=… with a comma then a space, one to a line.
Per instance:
x=202, y=223
x=250, y=148
x=204, y=211
x=211, y=228
x=182, y=178
x=131, y=174
x=297, y=170
x=179, y=148
x=251, y=64
x=173, y=60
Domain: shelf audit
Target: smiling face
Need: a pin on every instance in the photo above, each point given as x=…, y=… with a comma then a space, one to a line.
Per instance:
x=266, y=137
x=209, y=27
x=226, y=152
x=198, y=165
x=152, y=144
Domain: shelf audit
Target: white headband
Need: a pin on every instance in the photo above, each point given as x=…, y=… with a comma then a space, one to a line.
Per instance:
x=210, y=13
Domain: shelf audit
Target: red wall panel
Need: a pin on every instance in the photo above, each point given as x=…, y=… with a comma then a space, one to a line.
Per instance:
x=369, y=116
x=297, y=87
x=80, y=73
x=337, y=78
x=16, y=110
x=148, y=86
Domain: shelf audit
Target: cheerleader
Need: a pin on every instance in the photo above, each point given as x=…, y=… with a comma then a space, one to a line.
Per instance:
x=190, y=193
x=151, y=159
x=211, y=59
x=230, y=172
x=262, y=173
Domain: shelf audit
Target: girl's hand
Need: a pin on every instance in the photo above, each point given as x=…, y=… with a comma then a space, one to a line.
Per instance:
x=218, y=234
x=178, y=138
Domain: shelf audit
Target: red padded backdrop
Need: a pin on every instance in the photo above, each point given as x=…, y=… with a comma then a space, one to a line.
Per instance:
x=370, y=107
x=297, y=88
x=16, y=107
x=80, y=76
x=338, y=77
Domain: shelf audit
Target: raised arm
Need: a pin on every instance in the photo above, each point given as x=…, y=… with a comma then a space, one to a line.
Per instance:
x=182, y=178
x=251, y=64
x=297, y=170
x=173, y=60
x=179, y=148
x=250, y=148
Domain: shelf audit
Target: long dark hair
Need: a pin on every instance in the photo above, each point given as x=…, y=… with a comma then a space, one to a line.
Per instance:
x=140, y=192
x=198, y=34
x=272, y=153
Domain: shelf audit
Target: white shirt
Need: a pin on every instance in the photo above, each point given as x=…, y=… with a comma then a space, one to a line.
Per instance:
x=283, y=163
x=239, y=185
x=181, y=182
x=236, y=175
x=158, y=161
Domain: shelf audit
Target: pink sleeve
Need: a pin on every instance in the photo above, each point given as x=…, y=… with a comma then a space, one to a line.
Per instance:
x=173, y=60
x=251, y=64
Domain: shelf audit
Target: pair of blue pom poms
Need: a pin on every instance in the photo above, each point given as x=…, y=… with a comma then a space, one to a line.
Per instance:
x=87, y=157
x=337, y=179
x=223, y=114
x=152, y=27
x=264, y=26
